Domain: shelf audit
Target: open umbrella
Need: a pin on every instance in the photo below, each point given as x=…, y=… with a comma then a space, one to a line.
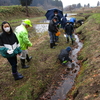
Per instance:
x=50, y=13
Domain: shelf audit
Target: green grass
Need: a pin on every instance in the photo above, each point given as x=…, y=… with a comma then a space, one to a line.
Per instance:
x=43, y=69
x=90, y=49
x=96, y=17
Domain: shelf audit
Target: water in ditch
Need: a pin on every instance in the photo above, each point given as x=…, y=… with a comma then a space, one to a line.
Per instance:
x=73, y=68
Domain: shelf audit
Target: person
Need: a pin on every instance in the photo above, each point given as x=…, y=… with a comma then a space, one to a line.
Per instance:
x=58, y=18
x=69, y=32
x=52, y=28
x=80, y=22
x=58, y=23
x=72, y=20
x=22, y=35
x=64, y=55
x=9, y=48
x=63, y=21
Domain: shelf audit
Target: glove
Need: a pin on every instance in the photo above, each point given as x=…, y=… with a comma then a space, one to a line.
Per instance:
x=10, y=51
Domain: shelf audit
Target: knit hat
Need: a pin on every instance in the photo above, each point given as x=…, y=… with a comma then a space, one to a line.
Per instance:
x=68, y=49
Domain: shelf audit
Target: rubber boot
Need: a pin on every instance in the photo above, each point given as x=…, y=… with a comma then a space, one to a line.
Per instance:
x=51, y=46
x=19, y=74
x=23, y=63
x=54, y=44
x=28, y=58
x=67, y=40
x=72, y=41
x=17, y=77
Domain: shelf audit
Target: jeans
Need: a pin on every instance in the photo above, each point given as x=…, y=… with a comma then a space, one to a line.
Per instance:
x=71, y=36
x=13, y=63
x=52, y=37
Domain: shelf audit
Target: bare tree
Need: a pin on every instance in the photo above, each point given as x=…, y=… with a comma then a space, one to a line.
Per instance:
x=98, y=3
x=88, y=5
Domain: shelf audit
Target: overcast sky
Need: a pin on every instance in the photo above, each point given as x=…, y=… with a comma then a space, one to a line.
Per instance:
x=70, y=2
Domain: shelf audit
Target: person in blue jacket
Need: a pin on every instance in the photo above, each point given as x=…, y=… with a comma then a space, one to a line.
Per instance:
x=63, y=21
x=9, y=48
x=72, y=20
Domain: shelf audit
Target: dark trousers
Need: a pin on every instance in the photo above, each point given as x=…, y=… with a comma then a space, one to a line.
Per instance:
x=56, y=38
x=52, y=37
x=13, y=63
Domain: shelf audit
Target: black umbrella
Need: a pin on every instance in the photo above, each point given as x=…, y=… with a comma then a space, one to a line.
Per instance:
x=50, y=13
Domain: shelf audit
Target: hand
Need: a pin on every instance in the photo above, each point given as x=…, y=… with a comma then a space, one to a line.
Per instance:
x=10, y=51
x=73, y=61
x=19, y=54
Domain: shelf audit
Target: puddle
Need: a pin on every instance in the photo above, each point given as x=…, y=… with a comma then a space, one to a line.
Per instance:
x=73, y=68
x=44, y=21
x=41, y=28
x=70, y=14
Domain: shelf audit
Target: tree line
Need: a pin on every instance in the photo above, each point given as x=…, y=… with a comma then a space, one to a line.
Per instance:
x=75, y=6
x=43, y=3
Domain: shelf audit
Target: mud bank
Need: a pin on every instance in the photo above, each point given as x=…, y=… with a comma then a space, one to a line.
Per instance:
x=87, y=84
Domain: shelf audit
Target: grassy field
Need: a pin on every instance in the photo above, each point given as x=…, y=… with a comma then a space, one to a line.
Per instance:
x=43, y=67
x=15, y=14
x=44, y=70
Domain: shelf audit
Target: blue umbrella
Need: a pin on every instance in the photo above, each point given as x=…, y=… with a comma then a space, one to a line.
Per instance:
x=50, y=13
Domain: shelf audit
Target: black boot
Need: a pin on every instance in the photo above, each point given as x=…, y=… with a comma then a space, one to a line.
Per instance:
x=54, y=44
x=23, y=63
x=28, y=58
x=19, y=74
x=67, y=40
x=51, y=46
x=17, y=77
x=72, y=41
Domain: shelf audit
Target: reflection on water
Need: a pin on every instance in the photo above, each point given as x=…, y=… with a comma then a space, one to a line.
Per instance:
x=45, y=21
x=41, y=28
x=69, y=15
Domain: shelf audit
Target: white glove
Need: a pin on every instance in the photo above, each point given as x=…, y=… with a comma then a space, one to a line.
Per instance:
x=10, y=51
x=64, y=35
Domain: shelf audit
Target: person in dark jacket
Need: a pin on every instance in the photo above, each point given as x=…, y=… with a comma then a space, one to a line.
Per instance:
x=58, y=18
x=63, y=21
x=9, y=48
x=64, y=55
x=69, y=32
x=80, y=22
x=58, y=23
x=52, y=28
